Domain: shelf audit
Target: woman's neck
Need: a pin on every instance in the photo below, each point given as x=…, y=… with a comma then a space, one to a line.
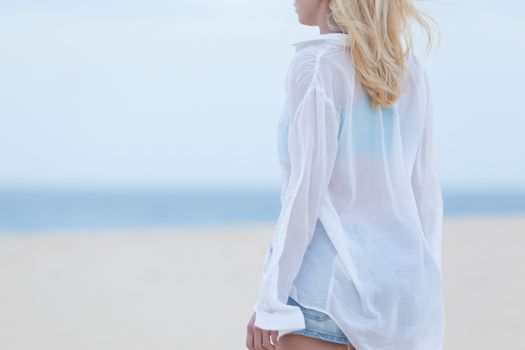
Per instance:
x=326, y=24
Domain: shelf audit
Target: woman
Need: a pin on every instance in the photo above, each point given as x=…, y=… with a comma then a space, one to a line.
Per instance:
x=355, y=259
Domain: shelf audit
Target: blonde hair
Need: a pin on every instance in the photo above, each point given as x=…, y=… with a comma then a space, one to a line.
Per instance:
x=376, y=32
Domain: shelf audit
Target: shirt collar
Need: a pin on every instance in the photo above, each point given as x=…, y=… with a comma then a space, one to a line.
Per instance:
x=334, y=37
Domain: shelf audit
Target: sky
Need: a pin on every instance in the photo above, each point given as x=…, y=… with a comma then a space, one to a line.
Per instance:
x=188, y=94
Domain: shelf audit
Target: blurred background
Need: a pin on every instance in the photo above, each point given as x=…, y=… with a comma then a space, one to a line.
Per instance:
x=139, y=180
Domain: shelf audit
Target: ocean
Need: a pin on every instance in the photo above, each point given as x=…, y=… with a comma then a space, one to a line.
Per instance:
x=35, y=211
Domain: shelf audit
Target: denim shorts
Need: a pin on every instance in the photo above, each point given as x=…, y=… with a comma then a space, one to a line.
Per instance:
x=319, y=325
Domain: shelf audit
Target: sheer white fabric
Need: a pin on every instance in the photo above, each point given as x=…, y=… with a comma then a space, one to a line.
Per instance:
x=359, y=232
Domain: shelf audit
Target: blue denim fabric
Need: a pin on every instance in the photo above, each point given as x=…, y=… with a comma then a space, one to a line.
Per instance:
x=319, y=325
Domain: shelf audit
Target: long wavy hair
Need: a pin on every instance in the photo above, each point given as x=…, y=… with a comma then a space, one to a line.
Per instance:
x=379, y=39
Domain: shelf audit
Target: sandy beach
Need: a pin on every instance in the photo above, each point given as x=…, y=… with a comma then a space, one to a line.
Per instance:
x=194, y=288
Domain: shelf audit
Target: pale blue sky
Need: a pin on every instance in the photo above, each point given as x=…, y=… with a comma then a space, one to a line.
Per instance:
x=185, y=93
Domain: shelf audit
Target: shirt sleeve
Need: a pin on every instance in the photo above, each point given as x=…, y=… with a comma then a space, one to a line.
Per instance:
x=426, y=185
x=312, y=148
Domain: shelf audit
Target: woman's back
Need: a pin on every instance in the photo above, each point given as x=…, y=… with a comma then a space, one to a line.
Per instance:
x=372, y=257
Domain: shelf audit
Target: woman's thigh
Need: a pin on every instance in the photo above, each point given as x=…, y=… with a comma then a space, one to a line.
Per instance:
x=303, y=342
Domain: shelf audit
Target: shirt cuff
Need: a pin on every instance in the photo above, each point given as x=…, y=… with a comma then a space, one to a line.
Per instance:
x=284, y=321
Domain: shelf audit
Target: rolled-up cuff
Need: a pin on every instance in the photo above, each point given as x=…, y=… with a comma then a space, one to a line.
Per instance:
x=284, y=321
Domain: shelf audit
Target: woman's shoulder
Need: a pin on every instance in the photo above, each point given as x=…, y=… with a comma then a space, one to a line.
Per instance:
x=316, y=52
x=415, y=85
x=316, y=62
x=415, y=69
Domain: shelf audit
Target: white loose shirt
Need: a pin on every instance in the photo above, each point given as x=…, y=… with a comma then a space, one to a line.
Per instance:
x=359, y=232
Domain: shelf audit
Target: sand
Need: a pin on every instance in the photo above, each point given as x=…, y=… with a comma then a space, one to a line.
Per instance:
x=194, y=288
